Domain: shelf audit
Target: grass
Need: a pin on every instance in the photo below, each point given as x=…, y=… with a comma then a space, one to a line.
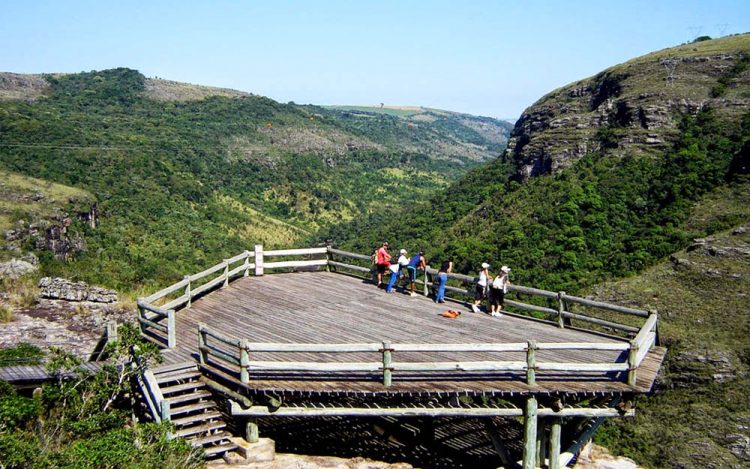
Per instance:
x=6, y=314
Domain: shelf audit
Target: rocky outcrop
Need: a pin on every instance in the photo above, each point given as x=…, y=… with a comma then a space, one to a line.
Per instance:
x=62, y=289
x=633, y=107
x=690, y=368
x=597, y=457
x=16, y=268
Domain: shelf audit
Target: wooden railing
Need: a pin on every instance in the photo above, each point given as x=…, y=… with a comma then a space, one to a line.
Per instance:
x=234, y=355
x=158, y=322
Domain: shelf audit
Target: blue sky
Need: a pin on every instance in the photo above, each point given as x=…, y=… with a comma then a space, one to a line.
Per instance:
x=489, y=58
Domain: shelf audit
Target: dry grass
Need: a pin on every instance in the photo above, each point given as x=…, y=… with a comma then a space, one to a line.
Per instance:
x=6, y=314
x=22, y=292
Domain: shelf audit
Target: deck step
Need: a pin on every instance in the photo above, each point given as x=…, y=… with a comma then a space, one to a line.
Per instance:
x=212, y=451
x=187, y=397
x=182, y=387
x=176, y=376
x=210, y=439
x=185, y=409
x=157, y=370
x=186, y=432
x=197, y=418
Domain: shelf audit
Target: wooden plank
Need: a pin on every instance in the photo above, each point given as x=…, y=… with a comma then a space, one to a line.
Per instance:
x=295, y=252
x=350, y=255
x=607, y=306
x=208, y=286
x=154, y=309
x=600, y=322
x=277, y=265
x=209, y=271
x=166, y=291
x=350, y=266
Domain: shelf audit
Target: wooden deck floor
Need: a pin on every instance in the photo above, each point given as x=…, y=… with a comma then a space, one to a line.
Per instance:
x=321, y=307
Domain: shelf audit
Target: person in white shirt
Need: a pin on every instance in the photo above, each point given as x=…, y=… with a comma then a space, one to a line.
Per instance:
x=480, y=292
x=498, y=289
x=396, y=269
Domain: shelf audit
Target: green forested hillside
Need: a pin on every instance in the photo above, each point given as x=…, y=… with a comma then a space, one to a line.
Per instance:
x=644, y=212
x=179, y=183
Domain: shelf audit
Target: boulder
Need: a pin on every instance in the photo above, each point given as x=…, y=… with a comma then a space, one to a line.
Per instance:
x=63, y=289
x=16, y=268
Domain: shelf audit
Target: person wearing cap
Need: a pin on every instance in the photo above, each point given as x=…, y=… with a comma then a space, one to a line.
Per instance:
x=397, y=269
x=498, y=290
x=417, y=262
x=480, y=291
x=382, y=261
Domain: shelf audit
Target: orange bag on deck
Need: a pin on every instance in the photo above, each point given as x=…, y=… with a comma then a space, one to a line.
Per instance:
x=451, y=314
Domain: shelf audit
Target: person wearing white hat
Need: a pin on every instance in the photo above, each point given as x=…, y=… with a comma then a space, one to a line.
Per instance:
x=397, y=270
x=498, y=289
x=480, y=291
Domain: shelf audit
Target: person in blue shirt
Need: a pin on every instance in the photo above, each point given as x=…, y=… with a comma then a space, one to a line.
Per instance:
x=417, y=262
x=445, y=268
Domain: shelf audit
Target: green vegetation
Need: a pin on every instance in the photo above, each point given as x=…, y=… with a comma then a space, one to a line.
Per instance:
x=22, y=354
x=699, y=410
x=84, y=420
x=180, y=184
x=605, y=217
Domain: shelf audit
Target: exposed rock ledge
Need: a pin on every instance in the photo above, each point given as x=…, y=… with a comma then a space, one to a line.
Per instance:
x=62, y=289
x=596, y=457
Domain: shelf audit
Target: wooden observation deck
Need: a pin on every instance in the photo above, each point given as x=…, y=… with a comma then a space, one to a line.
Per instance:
x=317, y=338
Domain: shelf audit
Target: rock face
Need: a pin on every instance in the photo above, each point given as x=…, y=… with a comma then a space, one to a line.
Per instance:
x=596, y=457
x=631, y=107
x=62, y=289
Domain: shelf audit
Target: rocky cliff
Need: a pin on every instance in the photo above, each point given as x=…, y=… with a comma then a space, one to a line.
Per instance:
x=632, y=107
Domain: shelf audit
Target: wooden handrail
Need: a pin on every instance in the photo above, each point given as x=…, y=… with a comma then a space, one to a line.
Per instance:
x=238, y=352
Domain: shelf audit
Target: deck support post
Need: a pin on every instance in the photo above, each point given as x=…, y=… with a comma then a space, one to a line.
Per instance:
x=244, y=362
x=541, y=441
x=246, y=265
x=531, y=363
x=632, y=358
x=387, y=371
x=554, y=443
x=202, y=344
x=258, y=259
x=251, y=431
x=226, y=272
x=188, y=295
x=171, y=329
x=560, y=309
x=529, y=433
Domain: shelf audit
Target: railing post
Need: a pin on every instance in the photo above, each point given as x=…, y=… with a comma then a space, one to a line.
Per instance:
x=111, y=331
x=202, y=354
x=560, y=309
x=531, y=363
x=529, y=433
x=328, y=257
x=226, y=272
x=632, y=356
x=426, y=277
x=171, y=329
x=246, y=265
x=657, y=341
x=387, y=371
x=188, y=294
x=244, y=362
x=258, y=259
x=164, y=411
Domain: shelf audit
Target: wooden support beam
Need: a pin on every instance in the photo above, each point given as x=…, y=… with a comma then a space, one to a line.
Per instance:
x=554, y=443
x=529, y=433
x=387, y=370
x=498, y=444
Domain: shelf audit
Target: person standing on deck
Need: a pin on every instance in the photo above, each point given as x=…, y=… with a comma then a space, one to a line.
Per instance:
x=480, y=291
x=445, y=268
x=415, y=263
x=397, y=268
x=383, y=260
x=498, y=290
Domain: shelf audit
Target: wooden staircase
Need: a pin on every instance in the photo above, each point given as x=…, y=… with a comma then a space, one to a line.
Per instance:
x=192, y=410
